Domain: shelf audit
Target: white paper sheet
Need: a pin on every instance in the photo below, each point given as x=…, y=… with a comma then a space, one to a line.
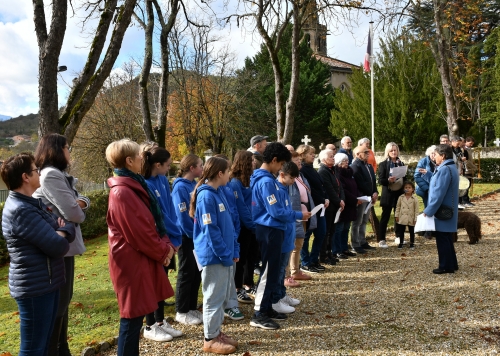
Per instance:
x=425, y=223
x=365, y=198
x=399, y=172
x=200, y=267
x=337, y=216
x=316, y=209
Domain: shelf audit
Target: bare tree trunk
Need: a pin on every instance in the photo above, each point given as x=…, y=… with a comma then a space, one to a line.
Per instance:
x=49, y=48
x=162, y=112
x=294, y=83
x=442, y=60
x=146, y=69
x=80, y=104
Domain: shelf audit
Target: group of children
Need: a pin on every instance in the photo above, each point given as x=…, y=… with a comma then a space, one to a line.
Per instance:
x=216, y=224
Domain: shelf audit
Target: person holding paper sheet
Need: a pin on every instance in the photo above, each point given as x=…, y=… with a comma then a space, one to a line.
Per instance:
x=340, y=248
x=367, y=186
x=392, y=188
x=423, y=173
x=310, y=260
x=443, y=191
x=336, y=196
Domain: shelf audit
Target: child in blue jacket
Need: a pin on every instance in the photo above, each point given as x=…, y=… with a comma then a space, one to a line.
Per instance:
x=217, y=248
x=271, y=217
x=156, y=163
x=188, y=275
x=282, y=302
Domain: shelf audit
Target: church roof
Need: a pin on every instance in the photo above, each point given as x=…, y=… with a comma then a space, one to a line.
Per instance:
x=335, y=64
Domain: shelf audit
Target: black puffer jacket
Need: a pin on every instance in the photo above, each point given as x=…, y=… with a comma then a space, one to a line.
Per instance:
x=318, y=191
x=36, y=250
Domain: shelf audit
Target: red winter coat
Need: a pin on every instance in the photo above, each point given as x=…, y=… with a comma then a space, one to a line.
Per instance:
x=136, y=251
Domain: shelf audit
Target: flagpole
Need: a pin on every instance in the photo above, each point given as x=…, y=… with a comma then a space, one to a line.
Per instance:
x=372, y=93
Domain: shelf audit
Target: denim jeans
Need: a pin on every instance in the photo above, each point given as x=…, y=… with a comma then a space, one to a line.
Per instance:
x=216, y=286
x=280, y=290
x=358, y=231
x=128, y=338
x=37, y=315
x=319, y=235
x=339, y=240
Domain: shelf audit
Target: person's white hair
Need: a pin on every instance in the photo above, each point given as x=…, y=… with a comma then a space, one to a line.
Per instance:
x=430, y=150
x=362, y=141
x=324, y=154
x=345, y=138
x=339, y=157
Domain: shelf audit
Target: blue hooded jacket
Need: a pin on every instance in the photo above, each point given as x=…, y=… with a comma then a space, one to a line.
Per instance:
x=289, y=238
x=215, y=240
x=243, y=196
x=268, y=206
x=231, y=201
x=159, y=185
x=181, y=196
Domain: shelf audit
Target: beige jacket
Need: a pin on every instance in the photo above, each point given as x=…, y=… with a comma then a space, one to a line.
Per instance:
x=407, y=210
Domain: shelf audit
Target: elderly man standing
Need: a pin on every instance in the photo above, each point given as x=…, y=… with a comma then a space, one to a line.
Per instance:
x=367, y=186
x=346, y=144
x=258, y=144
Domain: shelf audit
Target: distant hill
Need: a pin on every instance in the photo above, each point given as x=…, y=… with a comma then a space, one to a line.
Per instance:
x=21, y=125
x=3, y=117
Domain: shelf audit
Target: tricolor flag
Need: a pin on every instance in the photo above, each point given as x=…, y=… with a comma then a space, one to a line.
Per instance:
x=366, y=64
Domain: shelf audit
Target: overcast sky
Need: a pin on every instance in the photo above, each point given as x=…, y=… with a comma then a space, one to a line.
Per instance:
x=19, y=53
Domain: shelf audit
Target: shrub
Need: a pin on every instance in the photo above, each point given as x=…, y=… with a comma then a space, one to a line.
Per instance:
x=490, y=170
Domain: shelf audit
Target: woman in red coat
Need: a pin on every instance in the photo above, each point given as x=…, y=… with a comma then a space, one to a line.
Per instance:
x=138, y=244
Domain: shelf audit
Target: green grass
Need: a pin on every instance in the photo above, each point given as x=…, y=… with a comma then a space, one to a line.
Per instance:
x=94, y=315
x=93, y=311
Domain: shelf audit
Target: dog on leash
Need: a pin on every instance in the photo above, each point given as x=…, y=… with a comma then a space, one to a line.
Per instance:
x=472, y=224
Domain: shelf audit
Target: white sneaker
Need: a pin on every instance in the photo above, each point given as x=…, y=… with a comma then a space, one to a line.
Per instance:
x=281, y=307
x=197, y=314
x=383, y=244
x=156, y=333
x=187, y=319
x=290, y=301
x=396, y=241
x=461, y=207
x=170, y=330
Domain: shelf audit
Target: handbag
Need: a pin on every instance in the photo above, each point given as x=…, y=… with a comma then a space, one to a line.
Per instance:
x=445, y=212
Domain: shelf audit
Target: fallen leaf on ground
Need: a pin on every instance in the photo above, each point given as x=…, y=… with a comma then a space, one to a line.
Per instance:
x=254, y=342
x=445, y=332
x=460, y=307
x=462, y=319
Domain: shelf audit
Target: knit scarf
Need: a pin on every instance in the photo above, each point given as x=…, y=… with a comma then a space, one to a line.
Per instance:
x=154, y=206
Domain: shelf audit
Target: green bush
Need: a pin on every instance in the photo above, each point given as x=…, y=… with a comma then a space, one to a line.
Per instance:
x=93, y=226
x=490, y=170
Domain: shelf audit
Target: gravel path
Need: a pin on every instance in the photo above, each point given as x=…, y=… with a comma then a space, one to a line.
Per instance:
x=387, y=302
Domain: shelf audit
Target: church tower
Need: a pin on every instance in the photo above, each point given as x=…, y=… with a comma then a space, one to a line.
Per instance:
x=314, y=32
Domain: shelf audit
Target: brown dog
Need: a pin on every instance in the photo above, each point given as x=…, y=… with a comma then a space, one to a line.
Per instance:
x=471, y=223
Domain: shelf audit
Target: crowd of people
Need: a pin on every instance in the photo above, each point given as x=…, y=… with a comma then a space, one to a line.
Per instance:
x=223, y=219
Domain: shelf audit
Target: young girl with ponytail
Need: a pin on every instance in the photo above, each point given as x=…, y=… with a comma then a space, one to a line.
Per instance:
x=155, y=164
x=188, y=275
x=217, y=248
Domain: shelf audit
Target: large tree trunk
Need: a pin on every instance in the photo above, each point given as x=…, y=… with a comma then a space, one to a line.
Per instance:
x=146, y=69
x=443, y=63
x=49, y=48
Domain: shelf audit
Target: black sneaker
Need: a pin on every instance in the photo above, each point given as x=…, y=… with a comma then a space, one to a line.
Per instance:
x=243, y=297
x=368, y=247
x=264, y=322
x=309, y=269
x=273, y=314
x=342, y=256
x=412, y=246
x=251, y=291
x=330, y=261
x=319, y=267
x=360, y=250
x=400, y=246
x=349, y=253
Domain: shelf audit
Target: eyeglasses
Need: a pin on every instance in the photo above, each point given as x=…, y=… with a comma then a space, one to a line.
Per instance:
x=37, y=170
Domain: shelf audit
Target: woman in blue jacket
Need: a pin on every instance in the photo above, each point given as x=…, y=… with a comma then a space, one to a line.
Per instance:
x=188, y=275
x=423, y=173
x=217, y=248
x=443, y=191
x=37, y=241
x=241, y=171
x=155, y=164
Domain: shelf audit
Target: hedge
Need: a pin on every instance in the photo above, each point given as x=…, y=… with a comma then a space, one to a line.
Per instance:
x=93, y=226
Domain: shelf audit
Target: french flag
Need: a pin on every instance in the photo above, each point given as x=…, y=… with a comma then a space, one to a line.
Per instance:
x=366, y=64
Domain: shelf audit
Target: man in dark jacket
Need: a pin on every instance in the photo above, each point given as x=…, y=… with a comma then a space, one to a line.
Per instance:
x=367, y=186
